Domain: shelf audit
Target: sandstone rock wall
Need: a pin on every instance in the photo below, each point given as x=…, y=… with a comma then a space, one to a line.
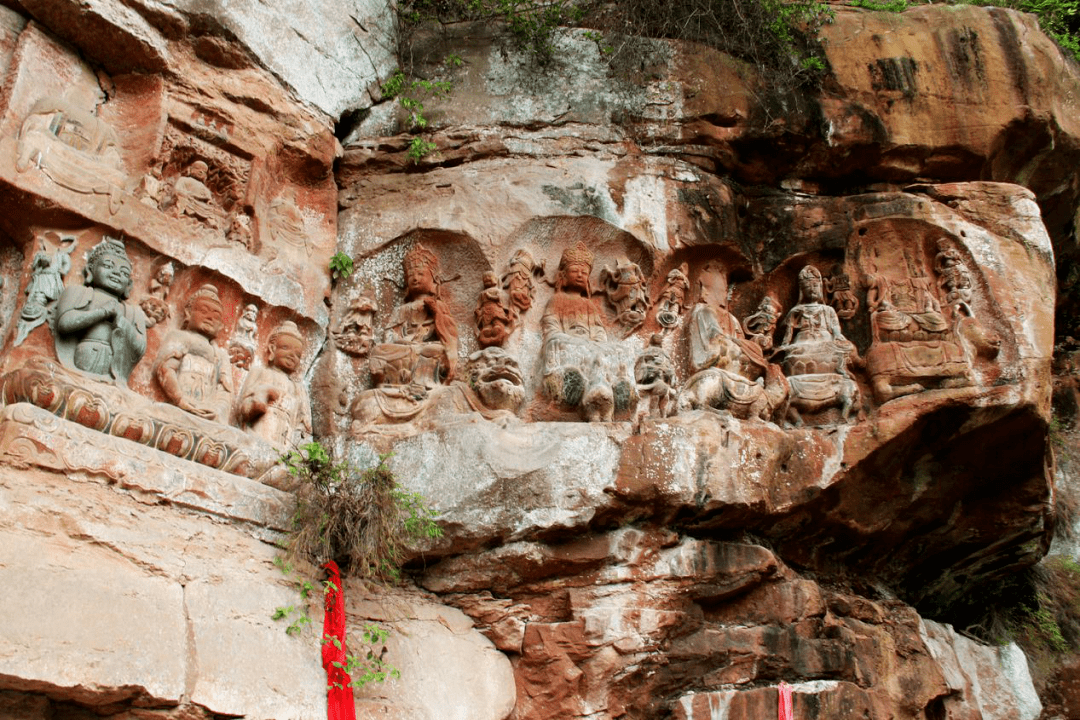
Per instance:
x=712, y=387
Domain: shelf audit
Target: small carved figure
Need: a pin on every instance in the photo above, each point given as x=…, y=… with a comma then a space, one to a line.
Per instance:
x=420, y=343
x=761, y=325
x=955, y=278
x=240, y=230
x=519, y=278
x=578, y=371
x=272, y=403
x=655, y=378
x=242, y=344
x=73, y=148
x=495, y=315
x=905, y=309
x=192, y=198
x=841, y=296
x=97, y=332
x=45, y=286
x=154, y=304
x=672, y=301
x=626, y=291
x=496, y=379
x=192, y=371
x=356, y=333
x=285, y=221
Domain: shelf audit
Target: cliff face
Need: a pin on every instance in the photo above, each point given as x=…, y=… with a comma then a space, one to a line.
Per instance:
x=713, y=386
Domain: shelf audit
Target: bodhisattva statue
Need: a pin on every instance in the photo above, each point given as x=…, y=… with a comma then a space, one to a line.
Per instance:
x=97, y=332
x=420, y=343
x=576, y=356
x=816, y=355
x=726, y=364
x=194, y=373
x=272, y=403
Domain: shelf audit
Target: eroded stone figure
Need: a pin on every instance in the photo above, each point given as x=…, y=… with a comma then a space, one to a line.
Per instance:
x=625, y=288
x=519, y=279
x=242, y=343
x=954, y=279
x=273, y=404
x=841, y=296
x=356, y=333
x=240, y=230
x=496, y=378
x=285, y=221
x=495, y=315
x=578, y=367
x=45, y=286
x=192, y=198
x=154, y=304
x=673, y=298
x=96, y=330
x=74, y=148
x=655, y=378
x=761, y=325
x=726, y=364
x=816, y=355
x=913, y=347
x=192, y=371
x=420, y=343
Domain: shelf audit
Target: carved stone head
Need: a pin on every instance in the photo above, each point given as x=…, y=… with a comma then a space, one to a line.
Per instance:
x=495, y=376
x=421, y=271
x=810, y=285
x=108, y=268
x=198, y=170
x=285, y=347
x=713, y=285
x=575, y=267
x=203, y=312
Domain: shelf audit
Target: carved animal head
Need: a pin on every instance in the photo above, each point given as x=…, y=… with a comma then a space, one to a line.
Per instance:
x=495, y=376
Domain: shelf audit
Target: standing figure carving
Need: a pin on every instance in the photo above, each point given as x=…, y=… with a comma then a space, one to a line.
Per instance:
x=816, y=354
x=760, y=326
x=495, y=315
x=96, y=330
x=242, y=344
x=672, y=300
x=154, y=304
x=843, y=299
x=518, y=279
x=45, y=286
x=577, y=361
x=192, y=371
x=626, y=291
x=272, y=403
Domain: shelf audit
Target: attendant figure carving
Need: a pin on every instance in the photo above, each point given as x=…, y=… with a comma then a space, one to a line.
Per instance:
x=518, y=279
x=45, y=286
x=655, y=378
x=356, y=333
x=286, y=223
x=192, y=371
x=672, y=300
x=96, y=331
x=625, y=287
x=242, y=344
x=272, y=403
x=74, y=148
x=154, y=304
x=842, y=298
x=495, y=315
x=760, y=326
x=955, y=282
x=816, y=354
x=577, y=361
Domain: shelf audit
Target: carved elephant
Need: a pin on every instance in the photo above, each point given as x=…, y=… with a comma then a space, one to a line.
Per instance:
x=820, y=391
x=717, y=389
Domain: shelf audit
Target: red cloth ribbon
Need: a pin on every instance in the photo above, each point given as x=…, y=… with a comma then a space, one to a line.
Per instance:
x=339, y=695
x=784, y=711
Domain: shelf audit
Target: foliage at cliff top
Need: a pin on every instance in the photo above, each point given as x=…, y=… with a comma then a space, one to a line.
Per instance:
x=779, y=37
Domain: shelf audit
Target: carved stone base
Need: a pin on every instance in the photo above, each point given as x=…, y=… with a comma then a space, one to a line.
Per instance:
x=901, y=368
x=31, y=436
x=123, y=414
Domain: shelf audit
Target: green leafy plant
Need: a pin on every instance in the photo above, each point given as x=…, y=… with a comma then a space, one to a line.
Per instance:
x=341, y=265
x=362, y=519
x=882, y=6
x=1059, y=19
x=419, y=148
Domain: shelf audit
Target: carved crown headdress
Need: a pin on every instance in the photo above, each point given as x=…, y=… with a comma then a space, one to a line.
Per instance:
x=809, y=273
x=205, y=292
x=107, y=246
x=422, y=257
x=286, y=328
x=577, y=255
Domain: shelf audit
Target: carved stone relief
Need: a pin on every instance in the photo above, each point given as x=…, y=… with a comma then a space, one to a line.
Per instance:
x=73, y=148
x=495, y=315
x=154, y=304
x=45, y=286
x=355, y=334
x=242, y=343
x=627, y=292
x=272, y=402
